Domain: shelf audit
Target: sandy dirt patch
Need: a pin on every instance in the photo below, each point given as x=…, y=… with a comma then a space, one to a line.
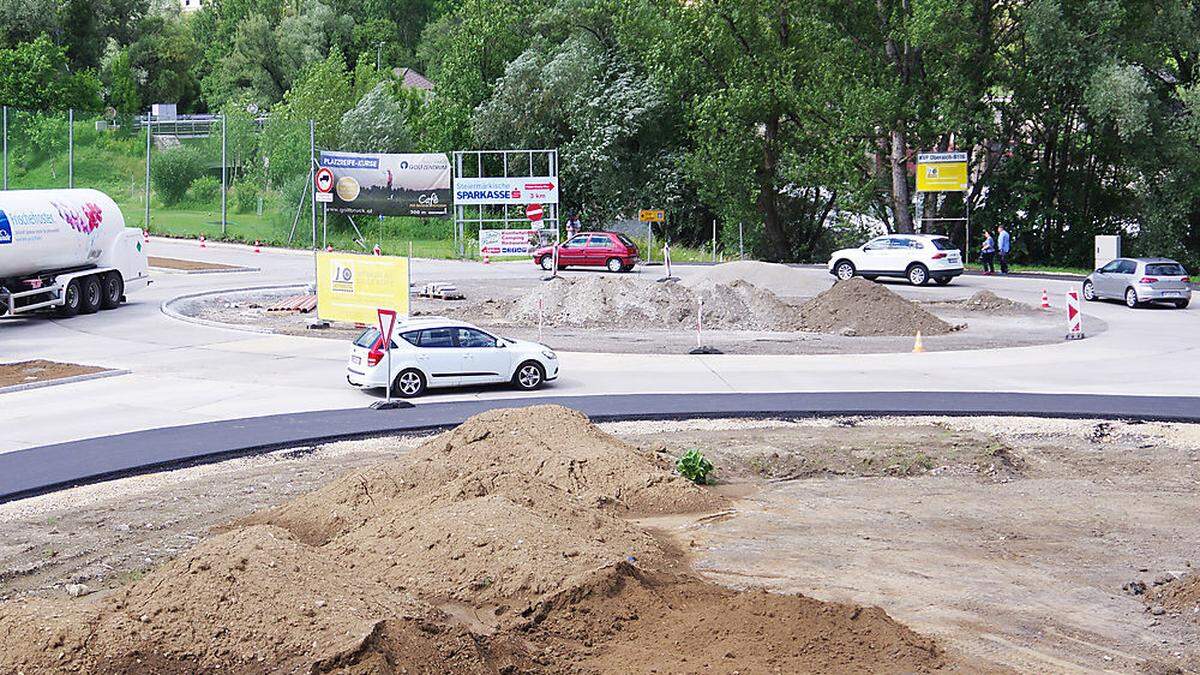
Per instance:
x=189, y=265
x=41, y=370
x=506, y=545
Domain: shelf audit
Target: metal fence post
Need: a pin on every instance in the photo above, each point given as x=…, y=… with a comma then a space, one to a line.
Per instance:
x=149, y=133
x=741, y=242
x=5, y=147
x=312, y=160
x=70, y=147
x=224, y=183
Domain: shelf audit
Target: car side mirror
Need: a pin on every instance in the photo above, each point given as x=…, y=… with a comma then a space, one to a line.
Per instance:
x=501, y=344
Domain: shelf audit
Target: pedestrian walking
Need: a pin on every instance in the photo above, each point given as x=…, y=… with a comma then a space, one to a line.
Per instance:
x=1003, y=246
x=987, y=252
x=572, y=225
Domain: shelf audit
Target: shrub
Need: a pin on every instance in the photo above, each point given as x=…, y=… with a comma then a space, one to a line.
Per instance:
x=205, y=190
x=693, y=466
x=244, y=197
x=172, y=173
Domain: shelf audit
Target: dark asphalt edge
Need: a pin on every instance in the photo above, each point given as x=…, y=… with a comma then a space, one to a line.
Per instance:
x=451, y=414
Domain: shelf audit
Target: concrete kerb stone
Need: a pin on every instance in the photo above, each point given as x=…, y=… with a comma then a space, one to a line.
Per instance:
x=26, y=386
x=168, y=307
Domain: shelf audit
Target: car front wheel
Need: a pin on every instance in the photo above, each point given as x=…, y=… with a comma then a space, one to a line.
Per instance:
x=1131, y=298
x=918, y=275
x=529, y=376
x=844, y=270
x=1089, y=291
x=547, y=262
x=409, y=384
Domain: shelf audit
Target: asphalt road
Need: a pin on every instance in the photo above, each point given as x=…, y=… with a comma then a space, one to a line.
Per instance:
x=182, y=373
x=31, y=471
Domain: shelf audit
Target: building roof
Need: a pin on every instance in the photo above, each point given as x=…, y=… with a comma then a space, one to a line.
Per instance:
x=413, y=79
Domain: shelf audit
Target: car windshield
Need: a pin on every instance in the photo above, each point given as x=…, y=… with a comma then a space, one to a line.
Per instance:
x=367, y=338
x=942, y=244
x=1165, y=270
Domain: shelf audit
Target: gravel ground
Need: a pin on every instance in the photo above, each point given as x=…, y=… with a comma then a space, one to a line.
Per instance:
x=487, y=301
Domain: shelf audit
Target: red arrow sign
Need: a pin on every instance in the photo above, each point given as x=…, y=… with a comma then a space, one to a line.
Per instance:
x=539, y=186
x=534, y=212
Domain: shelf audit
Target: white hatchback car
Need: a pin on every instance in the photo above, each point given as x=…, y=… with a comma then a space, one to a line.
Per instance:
x=434, y=352
x=916, y=257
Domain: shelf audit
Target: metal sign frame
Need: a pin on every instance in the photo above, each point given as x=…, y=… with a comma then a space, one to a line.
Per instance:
x=502, y=164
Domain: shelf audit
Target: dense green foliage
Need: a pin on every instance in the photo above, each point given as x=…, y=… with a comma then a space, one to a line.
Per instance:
x=800, y=119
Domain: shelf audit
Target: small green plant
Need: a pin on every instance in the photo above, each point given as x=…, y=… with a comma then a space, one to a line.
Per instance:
x=204, y=191
x=694, y=466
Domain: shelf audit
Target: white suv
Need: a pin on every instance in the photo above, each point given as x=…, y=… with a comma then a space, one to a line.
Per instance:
x=916, y=257
x=437, y=352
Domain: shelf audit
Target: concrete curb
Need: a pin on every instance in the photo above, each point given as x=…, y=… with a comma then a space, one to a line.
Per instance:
x=62, y=380
x=167, y=307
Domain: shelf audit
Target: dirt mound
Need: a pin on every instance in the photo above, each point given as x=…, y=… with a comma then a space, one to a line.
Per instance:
x=597, y=301
x=987, y=301
x=861, y=307
x=503, y=545
x=1181, y=595
x=773, y=277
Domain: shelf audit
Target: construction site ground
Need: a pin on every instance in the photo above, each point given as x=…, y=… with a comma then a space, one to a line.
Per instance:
x=1013, y=543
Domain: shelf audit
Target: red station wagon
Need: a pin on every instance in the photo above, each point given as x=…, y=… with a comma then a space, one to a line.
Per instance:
x=591, y=249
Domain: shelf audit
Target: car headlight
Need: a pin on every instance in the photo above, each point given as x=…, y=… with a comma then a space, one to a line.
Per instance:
x=551, y=356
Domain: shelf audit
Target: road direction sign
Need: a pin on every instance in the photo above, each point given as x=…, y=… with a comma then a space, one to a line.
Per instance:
x=651, y=215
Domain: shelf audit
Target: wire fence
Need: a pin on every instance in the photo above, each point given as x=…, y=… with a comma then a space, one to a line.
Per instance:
x=235, y=178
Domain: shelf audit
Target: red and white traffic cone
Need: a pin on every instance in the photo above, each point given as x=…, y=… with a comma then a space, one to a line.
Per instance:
x=486, y=260
x=1045, y=300
x=146, y=235
x=201, y=241
x=329, y=248
x=377, y=250
x=257, y=246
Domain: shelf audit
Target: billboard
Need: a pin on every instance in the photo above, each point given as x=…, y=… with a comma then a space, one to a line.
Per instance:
x=942, y=172
x=535, y=190
x=352, y=287
x=389, y=185
x=507, y=242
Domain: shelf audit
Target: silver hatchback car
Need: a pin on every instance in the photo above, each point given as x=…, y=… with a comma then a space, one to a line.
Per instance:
x=1138, y=281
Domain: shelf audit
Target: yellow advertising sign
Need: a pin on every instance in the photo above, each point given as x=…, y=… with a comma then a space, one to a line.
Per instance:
x=351, y=287
x=651, y=215
x=942, y=172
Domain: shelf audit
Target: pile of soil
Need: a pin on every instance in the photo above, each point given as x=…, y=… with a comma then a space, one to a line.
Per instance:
x=602, y=301
x=774, y=277
x=987, y=301
x=1181, y=595
x=861, y=307
x=505, y=545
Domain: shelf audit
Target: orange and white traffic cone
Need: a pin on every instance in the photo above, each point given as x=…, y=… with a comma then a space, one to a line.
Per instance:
x=377, y=250
x=257, y=246
x=919, y=345
x=1045, y=300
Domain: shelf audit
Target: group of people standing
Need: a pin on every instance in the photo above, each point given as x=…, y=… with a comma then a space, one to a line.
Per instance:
x=995, y=248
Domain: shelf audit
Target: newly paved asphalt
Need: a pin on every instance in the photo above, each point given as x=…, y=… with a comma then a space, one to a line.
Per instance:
x=32, y=471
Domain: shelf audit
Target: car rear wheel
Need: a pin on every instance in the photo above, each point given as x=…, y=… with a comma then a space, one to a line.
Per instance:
x=89, y=295
x=547, y=262
x=844, y=270
x=918, y=275
x=71, y=300
x=409, y=384
x=114, y=287
x=1131, y=298
x=1181, y=304
x=614, y=265
x=1089, y=291
x=529, y=376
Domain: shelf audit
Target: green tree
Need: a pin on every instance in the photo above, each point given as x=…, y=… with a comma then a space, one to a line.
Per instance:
x=379, y=123
x=163, y=56
x=120, y=84
x=35, y=75
x=322, y=94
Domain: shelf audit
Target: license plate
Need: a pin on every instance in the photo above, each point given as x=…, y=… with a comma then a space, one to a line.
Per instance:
x=355, y=360
x=953, y=259
x=1173, y=294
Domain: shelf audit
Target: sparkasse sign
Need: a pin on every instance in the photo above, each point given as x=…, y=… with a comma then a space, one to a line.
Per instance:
x=536, y=190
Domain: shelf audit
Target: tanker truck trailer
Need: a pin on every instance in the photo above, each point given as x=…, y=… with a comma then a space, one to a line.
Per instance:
x=67, y=251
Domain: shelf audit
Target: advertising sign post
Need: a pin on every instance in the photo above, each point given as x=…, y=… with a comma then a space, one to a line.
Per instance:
x=352, y=286
x=387, y=184
x=649, y=217
x=946, y=172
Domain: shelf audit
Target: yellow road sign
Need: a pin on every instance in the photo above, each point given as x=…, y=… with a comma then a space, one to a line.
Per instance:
x=352, y=287
x=651, y=215
x=942, y=172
